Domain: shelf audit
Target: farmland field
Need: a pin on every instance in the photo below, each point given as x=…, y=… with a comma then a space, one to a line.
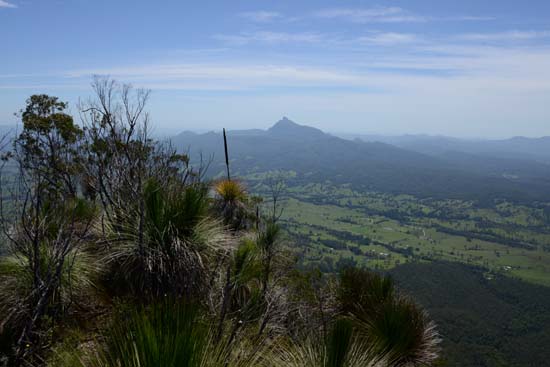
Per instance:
x=332, y=225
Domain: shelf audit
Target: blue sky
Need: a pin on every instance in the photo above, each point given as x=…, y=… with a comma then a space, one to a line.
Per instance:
x=462, y=68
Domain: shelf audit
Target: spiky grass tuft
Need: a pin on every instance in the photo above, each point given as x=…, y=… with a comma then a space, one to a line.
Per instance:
x=167, y=249
x=78, y=282
x=230, y=190
x=398, y=331
x=170, y=333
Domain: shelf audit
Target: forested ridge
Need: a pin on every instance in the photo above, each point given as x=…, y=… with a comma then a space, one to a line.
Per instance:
x=484, y=320
x=372, y=165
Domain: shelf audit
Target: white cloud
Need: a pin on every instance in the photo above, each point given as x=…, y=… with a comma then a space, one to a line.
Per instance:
x=5, y=4
x=270, y=37
x=458, y=82
x=495, y=70
x=388, y=15
x=371, y=15
x=354, y=89
x=505, y=36
x=372, y=38
x=472, y=18
x=261, y=16
x=222, y=76
x=388, y=39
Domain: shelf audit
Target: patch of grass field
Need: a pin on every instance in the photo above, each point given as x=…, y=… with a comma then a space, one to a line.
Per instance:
x=337, y=222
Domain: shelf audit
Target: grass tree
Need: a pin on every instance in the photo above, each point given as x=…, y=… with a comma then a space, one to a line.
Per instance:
x=168, y=250
x=399, y=332
x=168, y=333
x=232, y=204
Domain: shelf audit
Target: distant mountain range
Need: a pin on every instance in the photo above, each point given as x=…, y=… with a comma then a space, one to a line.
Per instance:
x=424, y=166
x=516, y=147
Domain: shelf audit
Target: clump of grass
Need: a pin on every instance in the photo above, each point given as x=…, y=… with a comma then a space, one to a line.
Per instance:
x=341, y=348
x=170, y=333
x=166, y=248
x=77, y=282
x=399, y=332
x=167, y=334
x=230, y=190
x=338, y=343
x=232, y=203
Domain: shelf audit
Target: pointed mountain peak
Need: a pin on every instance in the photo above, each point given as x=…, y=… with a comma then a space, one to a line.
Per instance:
x=287, y=127
x=285, y=123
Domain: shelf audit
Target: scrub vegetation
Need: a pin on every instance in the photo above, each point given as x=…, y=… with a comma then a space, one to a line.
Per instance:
x=118, y=251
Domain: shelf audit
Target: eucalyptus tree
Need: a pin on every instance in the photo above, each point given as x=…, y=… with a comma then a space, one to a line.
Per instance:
x=45, y=222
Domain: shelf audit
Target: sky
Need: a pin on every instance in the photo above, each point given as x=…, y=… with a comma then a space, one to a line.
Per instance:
x=467, y=68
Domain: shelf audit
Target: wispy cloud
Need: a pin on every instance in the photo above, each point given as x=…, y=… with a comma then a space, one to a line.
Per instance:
x=371, y=38
x=343, y=87
x=221, y=77
x=5, y=4
x=473, y=18
x=270, y=37
x=505, y=36
x=388, y=15
x=512, y=69
x=370, y=15
x=262, y=16
x=388, y=39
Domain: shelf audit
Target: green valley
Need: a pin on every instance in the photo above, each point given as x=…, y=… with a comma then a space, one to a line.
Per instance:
x=336, y=225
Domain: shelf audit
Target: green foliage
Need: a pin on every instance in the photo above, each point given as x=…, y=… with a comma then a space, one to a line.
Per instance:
x=173, y=212
x=48, y=144
x=246, y=266
x=267, y=238
x=166, y=334
x=338, y=343
x=232, y=203
x=71, y=214
x=166, y=249
x=78, y=281
x=362, y=291
x=247, y=300
x=402, y=334
x=399, y=331
x=26, y=264
x=340, y=349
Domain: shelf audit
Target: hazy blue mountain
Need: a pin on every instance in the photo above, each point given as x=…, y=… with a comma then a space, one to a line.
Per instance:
x=317, y=157
x=8, y=129
x=288, y=129
x=248, y=132
x=516, y=147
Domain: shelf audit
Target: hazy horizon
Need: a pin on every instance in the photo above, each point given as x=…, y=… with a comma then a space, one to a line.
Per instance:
x=462, y=69
x=165, y=132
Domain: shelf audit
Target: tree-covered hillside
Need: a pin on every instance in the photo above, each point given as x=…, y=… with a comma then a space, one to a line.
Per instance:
x=484, y=320
x=319, y=157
